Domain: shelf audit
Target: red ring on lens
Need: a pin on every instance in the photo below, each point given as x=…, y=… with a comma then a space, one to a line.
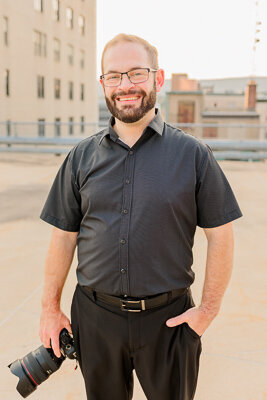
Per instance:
x=28, y=372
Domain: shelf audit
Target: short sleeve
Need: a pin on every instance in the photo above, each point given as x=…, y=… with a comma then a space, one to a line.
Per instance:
x=63, y=205
x=215, y=200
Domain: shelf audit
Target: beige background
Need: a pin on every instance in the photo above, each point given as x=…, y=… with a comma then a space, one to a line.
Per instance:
x=233, y=362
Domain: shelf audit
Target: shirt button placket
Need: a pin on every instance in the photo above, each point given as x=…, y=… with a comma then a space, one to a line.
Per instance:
x=125, y=220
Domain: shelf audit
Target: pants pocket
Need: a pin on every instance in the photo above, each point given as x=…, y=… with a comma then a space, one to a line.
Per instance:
x=189, y=304
x=191, y=331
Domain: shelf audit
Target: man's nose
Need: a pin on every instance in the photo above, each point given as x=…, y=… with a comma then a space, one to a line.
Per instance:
x=125, y=82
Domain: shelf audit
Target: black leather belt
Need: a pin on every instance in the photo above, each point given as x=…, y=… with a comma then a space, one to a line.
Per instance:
x=136, y=304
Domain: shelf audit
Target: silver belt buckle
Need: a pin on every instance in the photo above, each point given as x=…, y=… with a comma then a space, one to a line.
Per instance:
x=124, y=306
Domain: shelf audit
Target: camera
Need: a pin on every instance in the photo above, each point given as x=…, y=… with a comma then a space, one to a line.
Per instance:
x=37, y=366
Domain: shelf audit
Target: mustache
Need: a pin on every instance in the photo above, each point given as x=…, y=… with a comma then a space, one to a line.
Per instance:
x=134, y=93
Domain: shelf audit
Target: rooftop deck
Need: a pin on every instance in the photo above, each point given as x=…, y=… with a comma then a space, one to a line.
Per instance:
x=233, y=362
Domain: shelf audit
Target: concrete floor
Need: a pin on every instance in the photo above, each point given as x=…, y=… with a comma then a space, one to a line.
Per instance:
x=233, y=363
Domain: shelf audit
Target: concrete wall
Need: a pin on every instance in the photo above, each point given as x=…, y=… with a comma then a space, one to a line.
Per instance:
x=223, y=102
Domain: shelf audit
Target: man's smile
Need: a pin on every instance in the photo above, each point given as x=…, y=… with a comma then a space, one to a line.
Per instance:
x=128, y=99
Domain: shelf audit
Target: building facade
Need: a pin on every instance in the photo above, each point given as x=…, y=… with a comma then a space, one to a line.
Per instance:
x=48, y=67
x=188, y=103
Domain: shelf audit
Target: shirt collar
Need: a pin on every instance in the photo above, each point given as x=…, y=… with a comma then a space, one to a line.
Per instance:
x=156, y=125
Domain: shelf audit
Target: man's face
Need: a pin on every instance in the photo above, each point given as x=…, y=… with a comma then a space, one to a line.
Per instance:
x=123, y=57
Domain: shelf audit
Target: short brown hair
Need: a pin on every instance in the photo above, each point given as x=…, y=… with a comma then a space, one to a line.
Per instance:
x=123, y=37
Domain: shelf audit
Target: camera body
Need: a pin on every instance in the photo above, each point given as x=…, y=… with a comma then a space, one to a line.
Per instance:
x=66, y=345
x=37, y=366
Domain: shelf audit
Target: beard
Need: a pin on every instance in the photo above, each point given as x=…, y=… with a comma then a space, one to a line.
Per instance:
x=131, y=113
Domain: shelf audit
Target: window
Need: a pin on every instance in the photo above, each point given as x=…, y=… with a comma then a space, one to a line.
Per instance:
x=41, y=127
x=5, y=30
x=56, y=50
x=70, y=90
x=69, y=17
x=40, y=86
x=56, y=9
x=81, y=24
x=82, y=55
x=70, y=54
x=7, y=82
x=38, y=5
x=8, y=127
x=186, y=111
x=82, y=92
x=57, y=88
x=39, y=41
x=70, y=125
x=57, y=127
x=82, y=124
x=210, y=132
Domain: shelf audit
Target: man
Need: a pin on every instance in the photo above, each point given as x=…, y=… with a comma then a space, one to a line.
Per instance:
x=131, y=197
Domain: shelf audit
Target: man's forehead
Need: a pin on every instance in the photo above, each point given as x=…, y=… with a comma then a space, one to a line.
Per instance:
x=125, y=55
x=128, y=70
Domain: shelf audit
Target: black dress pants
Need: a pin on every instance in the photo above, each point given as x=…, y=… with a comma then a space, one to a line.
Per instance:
x=110, y=343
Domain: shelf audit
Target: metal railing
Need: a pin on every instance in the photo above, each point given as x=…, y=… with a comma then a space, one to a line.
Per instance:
x=47, y=129
x=60, y=137
x=231, y=131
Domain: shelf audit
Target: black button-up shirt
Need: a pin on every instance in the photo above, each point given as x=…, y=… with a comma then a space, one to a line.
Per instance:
x=136, y=209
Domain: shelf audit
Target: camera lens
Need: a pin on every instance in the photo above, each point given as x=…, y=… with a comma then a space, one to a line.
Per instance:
x=35, y=368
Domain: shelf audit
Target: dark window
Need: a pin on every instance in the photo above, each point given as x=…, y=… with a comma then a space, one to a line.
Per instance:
x=7, y=82
x=41, y=127
x=82, y=91
x=71, y=90
x=8, y=127
x=70, y=125
x=57, y=127
x=40, y=86
x=82, y=124
x=57, y=88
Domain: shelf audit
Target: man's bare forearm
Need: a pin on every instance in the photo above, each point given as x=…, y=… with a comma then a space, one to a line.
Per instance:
x=219, y=266
x=58, y=262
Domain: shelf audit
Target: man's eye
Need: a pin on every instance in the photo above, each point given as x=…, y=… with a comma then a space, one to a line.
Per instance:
x=112, y=77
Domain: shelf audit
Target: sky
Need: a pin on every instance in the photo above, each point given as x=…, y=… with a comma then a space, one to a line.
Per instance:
x=205, y=39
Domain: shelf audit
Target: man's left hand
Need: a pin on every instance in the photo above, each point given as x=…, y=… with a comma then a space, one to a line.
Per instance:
x=197, y=318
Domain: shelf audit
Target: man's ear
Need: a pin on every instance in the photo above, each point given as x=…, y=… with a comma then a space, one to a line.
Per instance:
x=160, y=78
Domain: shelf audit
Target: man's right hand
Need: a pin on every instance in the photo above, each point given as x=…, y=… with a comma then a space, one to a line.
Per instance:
x=51, y=324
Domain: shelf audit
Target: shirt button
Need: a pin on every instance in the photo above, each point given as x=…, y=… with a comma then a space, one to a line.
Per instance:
x=123, y=241
x=125, y=211
x=127, y=181
x=123, y=270
x=130, y=152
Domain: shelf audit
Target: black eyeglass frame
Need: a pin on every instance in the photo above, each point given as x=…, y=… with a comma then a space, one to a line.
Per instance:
x=123, y=73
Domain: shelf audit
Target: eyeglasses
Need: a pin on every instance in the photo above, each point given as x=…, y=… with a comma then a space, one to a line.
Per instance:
x=138, y=75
